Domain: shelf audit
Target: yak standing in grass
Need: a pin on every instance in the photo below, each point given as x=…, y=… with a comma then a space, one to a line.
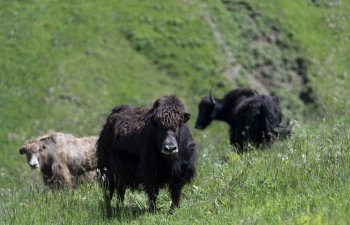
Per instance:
x=64, y=160
x=251, y=117
x=259, y=119
x=146, y=149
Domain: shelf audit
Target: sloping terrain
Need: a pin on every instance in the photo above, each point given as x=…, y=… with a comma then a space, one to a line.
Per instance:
x=65, y=64
x=320, y=30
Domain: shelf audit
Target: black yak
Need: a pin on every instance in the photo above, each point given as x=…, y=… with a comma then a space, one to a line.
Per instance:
x=211, y=108
x=258, y=119
x=147, y=149
x=251, y=117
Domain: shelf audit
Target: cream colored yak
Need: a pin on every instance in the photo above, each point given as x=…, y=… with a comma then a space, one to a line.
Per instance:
x=64, y=160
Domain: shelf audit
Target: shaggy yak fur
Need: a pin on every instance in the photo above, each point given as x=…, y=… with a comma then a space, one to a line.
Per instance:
x=251, y=117
x=64, y=160
x=259, y=119
x=146, y=149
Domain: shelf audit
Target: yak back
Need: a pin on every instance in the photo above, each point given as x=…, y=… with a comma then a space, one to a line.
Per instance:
x=76, y=153
x=107, y=135
x=231, y=100
x=263, y=115
x=123, y=135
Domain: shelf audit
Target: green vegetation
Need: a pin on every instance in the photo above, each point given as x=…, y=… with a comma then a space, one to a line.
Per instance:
x=322, y=33
x=65, y=64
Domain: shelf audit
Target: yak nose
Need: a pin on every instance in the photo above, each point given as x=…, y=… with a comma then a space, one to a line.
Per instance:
x=33, y=162
x=34, y=166
x=170, y=149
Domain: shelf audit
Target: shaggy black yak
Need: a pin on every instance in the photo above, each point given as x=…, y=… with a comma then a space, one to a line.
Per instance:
x=251, y=117
x=258, y=119
x=147, y=149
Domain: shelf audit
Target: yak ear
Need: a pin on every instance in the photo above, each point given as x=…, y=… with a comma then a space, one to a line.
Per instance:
x=187, y=116
x=22, y=151
x=43, y=146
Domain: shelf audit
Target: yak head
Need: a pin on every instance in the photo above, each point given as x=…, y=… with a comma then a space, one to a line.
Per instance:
x=34, y=148
x=206, y=111
x=211, y=108
x=168, y=116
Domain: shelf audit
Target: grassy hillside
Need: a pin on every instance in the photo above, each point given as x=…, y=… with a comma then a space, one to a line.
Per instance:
x=322, y=33
x=65, y=64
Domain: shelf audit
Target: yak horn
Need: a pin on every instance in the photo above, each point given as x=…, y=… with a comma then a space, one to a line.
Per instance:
x=212, y=99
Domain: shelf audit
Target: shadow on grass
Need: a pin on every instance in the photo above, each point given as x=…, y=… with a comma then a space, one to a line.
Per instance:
x=124, y=213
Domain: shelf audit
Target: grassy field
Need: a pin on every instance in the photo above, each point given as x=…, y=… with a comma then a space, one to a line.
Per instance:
x=65, y=64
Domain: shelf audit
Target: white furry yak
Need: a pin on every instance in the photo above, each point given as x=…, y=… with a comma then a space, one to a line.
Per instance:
x=63, y=159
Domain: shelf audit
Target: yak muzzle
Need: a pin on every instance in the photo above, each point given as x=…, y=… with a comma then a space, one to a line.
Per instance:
x=33, y=161
x=170, y=149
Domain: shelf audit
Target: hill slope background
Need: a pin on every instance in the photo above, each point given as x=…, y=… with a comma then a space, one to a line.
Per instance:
x=64, y=65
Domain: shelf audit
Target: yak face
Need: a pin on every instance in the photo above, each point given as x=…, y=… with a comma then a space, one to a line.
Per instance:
x=167, y=137
x=32, y=153
x=206, y=113
x=168, y=115
x=167, y=141
x=33, y=161
x=33, y=149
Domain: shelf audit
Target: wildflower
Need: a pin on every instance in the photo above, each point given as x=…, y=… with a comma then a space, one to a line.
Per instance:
x=24, y=205
x=279, y=155
x=233, y=157
x=290, y=149
x=303, y=157
x=317, y=157
x=338, y=154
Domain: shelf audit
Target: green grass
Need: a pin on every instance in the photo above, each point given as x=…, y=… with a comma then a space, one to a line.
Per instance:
x=65, y=64
x=303, y=180
x=323, y=36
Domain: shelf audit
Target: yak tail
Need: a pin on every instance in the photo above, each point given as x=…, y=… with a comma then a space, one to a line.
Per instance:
x=272, y=125
x=103, y=143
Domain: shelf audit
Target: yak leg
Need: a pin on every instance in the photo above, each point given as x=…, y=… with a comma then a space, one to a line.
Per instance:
x=236, y=139
x=152, y=197
x=121, y=194
x=175, y=191
x=61, y=175
x=108, y=185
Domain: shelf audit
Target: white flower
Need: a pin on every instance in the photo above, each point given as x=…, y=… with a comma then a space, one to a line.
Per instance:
x=303, y=157
x=317, y=156
x=337, y=154
x=285, y=158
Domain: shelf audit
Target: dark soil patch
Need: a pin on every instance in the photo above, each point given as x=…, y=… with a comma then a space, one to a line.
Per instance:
x=271, y=58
